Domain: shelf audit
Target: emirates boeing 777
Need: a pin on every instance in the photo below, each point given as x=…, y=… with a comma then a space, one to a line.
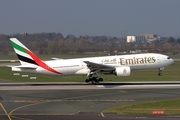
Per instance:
x=92, y=67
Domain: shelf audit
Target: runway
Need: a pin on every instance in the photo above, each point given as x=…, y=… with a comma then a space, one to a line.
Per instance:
x=82, y=85
x=24, y=101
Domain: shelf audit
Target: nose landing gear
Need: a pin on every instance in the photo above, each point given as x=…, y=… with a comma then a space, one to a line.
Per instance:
x=160, y=70
x=160, y=74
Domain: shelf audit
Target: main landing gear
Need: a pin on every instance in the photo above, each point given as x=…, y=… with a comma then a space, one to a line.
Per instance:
x=93, y=78
x=160, y=70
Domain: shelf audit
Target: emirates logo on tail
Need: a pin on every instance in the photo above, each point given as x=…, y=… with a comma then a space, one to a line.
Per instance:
x=27, y=57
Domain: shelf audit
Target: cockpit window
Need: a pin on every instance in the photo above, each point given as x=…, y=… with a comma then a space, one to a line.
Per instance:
x=168, y=57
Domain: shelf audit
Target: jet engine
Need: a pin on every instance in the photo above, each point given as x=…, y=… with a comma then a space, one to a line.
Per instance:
x=123, y=71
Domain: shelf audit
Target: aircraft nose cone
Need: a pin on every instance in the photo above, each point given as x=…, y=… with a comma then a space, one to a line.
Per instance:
x=172, y=61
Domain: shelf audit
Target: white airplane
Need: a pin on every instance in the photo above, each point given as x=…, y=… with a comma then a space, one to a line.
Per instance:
x=119, y=65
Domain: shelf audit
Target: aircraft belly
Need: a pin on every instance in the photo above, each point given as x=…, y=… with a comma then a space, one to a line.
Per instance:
x=82, y=71
x=69, y=70
x=143, y=67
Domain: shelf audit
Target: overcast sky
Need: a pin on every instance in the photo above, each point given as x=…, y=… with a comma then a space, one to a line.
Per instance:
x=91, y=17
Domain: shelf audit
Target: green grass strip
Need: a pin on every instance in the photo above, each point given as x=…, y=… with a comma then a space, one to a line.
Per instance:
x=168, y=106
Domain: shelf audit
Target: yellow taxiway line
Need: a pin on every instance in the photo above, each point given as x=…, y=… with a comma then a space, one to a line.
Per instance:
x=5, y=111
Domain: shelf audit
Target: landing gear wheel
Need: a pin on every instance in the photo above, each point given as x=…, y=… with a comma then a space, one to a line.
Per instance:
x=160, y=70
x=160, y=74
x=87, y=80
x=100, y=79
x=95, y=80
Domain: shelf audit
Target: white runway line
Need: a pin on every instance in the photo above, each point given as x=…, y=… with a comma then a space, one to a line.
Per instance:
x=100, y=86
x=102, y=114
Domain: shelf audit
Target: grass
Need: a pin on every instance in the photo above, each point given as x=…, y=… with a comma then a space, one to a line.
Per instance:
x=175, y=56
x=8, y=75
x=170, y=73
x=168, y=106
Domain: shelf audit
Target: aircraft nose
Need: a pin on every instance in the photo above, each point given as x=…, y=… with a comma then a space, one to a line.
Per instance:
x=172, y=61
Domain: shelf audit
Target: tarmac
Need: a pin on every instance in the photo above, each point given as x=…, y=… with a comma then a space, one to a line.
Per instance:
x=69, y=101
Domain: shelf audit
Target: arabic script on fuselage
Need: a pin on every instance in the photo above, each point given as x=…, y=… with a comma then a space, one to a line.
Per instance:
x=109, y=60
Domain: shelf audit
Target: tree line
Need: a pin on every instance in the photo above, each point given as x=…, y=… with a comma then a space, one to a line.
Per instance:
x=55, y=43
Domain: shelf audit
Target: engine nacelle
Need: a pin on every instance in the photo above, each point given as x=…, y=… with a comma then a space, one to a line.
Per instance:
x=123, y=71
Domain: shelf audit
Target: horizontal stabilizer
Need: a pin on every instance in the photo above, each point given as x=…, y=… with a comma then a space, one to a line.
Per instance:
x=25, y=67
x=57, y=58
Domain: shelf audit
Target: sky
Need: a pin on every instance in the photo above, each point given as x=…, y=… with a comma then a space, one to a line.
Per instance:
x=91, y=17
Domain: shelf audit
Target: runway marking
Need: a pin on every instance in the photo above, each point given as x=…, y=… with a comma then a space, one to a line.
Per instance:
x=102, y=114
x=99, y=100
x=123, y=91
x=5, y=111
x=39, y=101
x=25, y=101
x=20, y=118
x=23, y=107
x=46, y=101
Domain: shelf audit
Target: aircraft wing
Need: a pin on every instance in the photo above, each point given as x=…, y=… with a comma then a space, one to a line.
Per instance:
x=98, y=67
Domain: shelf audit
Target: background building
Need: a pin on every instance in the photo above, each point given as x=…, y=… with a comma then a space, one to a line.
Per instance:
x=150, y=37
x=131, y=39
x=142, y=38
